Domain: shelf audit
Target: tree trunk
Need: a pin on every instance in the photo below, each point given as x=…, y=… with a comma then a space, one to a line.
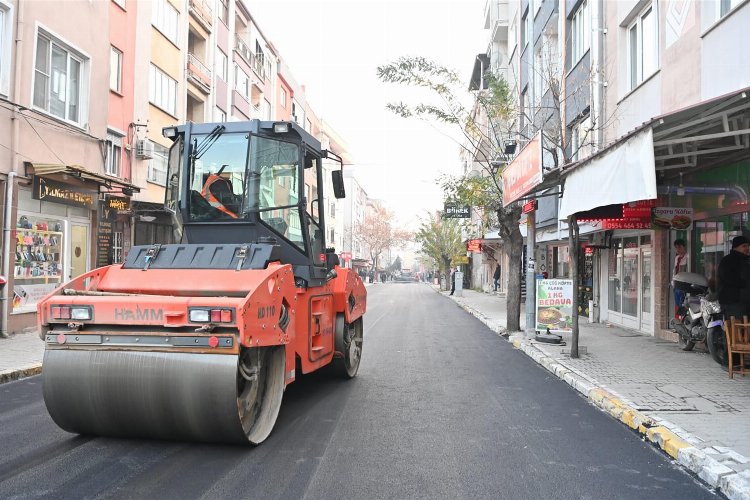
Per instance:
x=508, y=219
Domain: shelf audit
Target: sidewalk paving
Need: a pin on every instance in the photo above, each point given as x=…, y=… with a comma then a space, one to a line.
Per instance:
x=681, y=401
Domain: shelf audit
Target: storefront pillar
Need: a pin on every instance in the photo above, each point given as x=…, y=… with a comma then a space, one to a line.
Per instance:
x=663, y=277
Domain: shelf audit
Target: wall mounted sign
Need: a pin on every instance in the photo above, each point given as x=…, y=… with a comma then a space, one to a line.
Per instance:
x=453, y=211
x=671, y=218
x=524, y=172
x=58, y=192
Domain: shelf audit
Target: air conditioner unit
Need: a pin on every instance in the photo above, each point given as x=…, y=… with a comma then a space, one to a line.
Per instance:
x=144, y=149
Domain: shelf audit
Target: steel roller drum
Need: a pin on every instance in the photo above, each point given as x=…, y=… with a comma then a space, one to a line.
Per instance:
x=180, y=396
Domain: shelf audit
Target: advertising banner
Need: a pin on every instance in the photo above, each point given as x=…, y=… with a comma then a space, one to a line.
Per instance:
x=523, y=173
x=671, y=218
x=554, y=305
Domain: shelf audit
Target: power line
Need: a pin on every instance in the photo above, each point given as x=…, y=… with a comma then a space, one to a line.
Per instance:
x=42, y=139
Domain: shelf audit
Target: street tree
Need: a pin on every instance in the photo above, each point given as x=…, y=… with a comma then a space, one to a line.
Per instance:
x=484, y=192
x=441, y=241
x=378, y=233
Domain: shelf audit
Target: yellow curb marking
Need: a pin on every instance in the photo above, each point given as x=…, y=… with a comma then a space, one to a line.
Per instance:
x=667, y=440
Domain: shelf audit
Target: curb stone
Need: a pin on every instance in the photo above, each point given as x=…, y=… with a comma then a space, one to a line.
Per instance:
x=19, y=373
x=673, y=440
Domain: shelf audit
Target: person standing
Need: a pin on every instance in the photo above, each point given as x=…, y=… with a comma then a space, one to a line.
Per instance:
x=680, y=265
x=496, y=277
x=453, y=280
x=732, y=278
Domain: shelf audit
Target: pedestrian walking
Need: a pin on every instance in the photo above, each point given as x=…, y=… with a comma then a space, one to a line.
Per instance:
x=453, y=280
x=732, y=278
x=496, y=277
x=680, y=265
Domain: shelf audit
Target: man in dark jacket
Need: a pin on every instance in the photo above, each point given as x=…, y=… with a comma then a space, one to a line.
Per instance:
x=732, y=278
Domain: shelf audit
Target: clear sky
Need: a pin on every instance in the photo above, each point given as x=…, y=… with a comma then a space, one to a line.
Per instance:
x=333, y=47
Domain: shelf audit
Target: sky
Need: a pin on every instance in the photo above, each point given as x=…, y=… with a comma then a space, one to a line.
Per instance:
x=333, y=48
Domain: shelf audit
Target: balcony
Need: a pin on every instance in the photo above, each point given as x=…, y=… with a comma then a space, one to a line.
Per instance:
x=243, y=50
x=496, y=19
x=198, y=74
x=202, y=12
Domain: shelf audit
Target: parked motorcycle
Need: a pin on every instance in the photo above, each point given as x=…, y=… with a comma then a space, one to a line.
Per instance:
x=699, y=316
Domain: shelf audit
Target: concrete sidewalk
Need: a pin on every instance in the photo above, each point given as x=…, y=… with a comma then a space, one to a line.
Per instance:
x=20, y=356
x=683, y=402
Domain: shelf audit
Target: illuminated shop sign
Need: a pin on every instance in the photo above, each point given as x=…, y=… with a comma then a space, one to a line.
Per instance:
x=58, y=192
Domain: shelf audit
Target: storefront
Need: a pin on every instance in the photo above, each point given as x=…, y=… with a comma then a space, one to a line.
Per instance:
x=629, y=287
x=64, y=225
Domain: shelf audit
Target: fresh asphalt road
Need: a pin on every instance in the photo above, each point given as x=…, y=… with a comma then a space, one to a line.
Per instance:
x=442, y=408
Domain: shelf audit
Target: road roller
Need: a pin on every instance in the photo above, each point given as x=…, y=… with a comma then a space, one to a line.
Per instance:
x=196, y=339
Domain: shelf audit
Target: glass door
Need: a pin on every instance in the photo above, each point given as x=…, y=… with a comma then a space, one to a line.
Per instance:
x=647, y=318
x=79, y=249
x=630, y=282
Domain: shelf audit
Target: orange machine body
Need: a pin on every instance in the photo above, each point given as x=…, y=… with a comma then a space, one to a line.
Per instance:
x=263, y=307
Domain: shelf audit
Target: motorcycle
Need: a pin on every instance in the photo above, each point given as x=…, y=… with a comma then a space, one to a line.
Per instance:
x=699, y=313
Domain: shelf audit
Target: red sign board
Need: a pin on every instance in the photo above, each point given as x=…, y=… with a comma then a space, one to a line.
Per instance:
x=346, y=255
x=640, y=209
x=530, y=206
x=524, y=172
x=474, y=246
x=627, y=223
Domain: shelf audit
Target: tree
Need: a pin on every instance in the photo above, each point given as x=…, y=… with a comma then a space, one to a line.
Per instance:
x=483, y=143
x=378, y=233
x=441, y=241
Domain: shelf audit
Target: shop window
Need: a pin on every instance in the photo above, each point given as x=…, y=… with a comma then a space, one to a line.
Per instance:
x=58, y=79
x=38, y=267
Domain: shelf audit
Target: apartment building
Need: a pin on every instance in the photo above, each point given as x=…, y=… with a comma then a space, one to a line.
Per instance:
x=652, y=119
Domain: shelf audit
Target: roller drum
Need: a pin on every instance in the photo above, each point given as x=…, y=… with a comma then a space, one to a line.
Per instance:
x=180, y=396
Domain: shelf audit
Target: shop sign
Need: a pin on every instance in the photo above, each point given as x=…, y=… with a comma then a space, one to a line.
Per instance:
x=474, y=246
x=627, y=223
x=104, y=235
x=58, y=192
x=461, y=259
x=640, y=209
x=119, y=205
x=671, y=218
x=524, y=172
x=530, y=206
x=554, y=305
x=346, y=255
x=453, y=211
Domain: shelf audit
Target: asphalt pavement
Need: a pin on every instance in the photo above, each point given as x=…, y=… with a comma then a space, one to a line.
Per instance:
x=443, y=407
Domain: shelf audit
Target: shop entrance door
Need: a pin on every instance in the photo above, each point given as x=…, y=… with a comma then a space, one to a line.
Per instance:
x=79, y=249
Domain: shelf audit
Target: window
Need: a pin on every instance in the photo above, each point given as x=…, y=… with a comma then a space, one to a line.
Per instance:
x=241, y=81
x=162, y=91
x=282, y=98
x=115, y=69
x=223, y=12
x=166, y=19
x=222, y=64
x=643, y=47
x=725, y=6
x=581, y=139
x=526, y=30
x=113, y=163
x=580, y=32
x=58, y=77
x=116, y=247
x=157, y=166
x=259, y=62
x=266, y=111
x=6, y=43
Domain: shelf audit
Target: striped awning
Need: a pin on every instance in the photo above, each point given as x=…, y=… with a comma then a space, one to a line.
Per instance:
x=80, y=172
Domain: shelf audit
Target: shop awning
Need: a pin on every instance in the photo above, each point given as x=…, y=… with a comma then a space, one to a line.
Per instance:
x=622, y=174
x=81, y=173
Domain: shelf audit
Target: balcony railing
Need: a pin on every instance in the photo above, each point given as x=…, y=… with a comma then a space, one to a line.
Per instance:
x=203, y=13
x=198, y=73
x=250, y=57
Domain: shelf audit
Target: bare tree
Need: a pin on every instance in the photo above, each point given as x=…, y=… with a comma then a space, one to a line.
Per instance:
x=378, y=234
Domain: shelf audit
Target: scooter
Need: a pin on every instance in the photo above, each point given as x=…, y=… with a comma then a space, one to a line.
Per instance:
x=697, y=313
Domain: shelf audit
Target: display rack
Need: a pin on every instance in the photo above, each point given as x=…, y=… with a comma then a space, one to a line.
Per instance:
x=38, y=256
